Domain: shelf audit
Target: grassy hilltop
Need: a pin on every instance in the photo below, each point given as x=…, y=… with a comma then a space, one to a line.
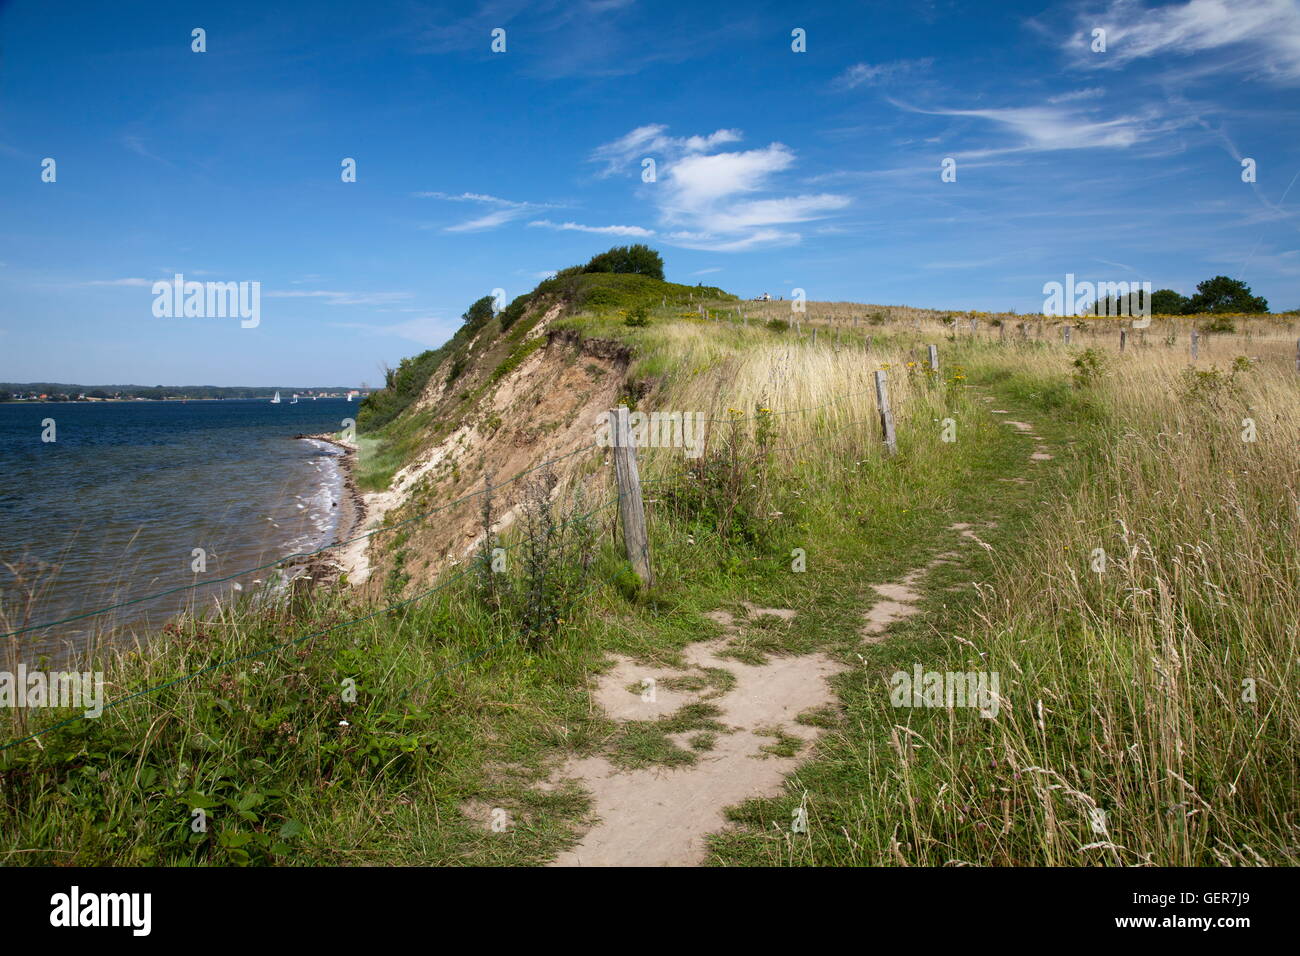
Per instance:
x=1114, y=533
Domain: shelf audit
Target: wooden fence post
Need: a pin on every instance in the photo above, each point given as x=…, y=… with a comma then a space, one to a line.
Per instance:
x=631, y=509
x=1195, y=342
x=886, y=414
x=1066, y=333
x=1123, y=339
x=934, y=358
x=1002, y=331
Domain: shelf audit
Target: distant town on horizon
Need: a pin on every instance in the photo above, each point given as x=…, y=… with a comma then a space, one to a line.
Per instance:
x=62, y=392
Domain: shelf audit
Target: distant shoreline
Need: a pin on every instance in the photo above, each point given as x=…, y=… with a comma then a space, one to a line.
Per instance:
x=134, y=401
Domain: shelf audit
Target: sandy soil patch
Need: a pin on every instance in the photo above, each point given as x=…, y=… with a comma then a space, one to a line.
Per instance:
x=898, y=600
x=659, y=816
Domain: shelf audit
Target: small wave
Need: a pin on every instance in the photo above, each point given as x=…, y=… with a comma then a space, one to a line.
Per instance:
x=321, y=503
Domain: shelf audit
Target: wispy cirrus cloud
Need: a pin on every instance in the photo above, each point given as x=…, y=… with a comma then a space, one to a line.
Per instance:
x=329, y=297
x=136, y=145
x=1055, y=127
x=1260, y=37
x=340, y=298
x=877, y=74
x=712, y=242
x=599, y=230
x=1075, y=95
x=501, y=211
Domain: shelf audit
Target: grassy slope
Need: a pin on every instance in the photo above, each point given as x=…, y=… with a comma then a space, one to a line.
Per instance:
x=261, y=744
x=392, y=434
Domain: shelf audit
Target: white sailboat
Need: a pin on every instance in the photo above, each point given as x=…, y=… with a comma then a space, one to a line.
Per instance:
x=295, y=400
x=349, y=396
x=276, y=400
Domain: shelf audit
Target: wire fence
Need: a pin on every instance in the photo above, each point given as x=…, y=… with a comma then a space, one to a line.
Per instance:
x=387, y=609
x=624, y=495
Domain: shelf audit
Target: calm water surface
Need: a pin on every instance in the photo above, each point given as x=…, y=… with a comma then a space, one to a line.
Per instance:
x=112, y=510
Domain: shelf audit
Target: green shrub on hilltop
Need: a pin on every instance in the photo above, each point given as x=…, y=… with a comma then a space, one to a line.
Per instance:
x=1168, y=302
x=636, y=260
x=625, y=277
x=1218, y=295
x=1222, y=294
x=607, y=291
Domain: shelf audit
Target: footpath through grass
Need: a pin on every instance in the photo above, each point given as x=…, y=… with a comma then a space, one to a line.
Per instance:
x=454, y=716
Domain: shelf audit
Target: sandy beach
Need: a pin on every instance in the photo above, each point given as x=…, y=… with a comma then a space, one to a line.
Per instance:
x=330, y=565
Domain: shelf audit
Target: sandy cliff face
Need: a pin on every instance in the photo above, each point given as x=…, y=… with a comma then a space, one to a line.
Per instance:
x=544, y=408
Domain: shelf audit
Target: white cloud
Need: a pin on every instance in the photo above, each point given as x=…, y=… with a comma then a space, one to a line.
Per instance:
x=341, y=298
x=506, y=210
x=697, y=181
x=1266, y=33
x=127, y=282
x=709, y=199
x=1089, y=93
x=602, y=230
x=1043, y=128
x=498, y=217
x=652, y=140
x=715, y=243
x=765, y=212
x=875, y=74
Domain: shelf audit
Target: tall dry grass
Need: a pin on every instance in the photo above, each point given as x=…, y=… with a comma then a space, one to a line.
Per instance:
x=1146, y=635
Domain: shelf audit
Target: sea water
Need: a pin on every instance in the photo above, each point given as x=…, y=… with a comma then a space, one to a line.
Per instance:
x=114, y=508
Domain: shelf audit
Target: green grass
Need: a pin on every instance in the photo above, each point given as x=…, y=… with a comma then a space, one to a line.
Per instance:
x=388, y=787
x=454, y=712
x=606, y=291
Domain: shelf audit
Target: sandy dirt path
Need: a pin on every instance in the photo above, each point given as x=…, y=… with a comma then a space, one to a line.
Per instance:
x=659, y=816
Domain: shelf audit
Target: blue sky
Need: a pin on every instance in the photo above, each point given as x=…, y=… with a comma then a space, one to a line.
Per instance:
x=477, y=170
